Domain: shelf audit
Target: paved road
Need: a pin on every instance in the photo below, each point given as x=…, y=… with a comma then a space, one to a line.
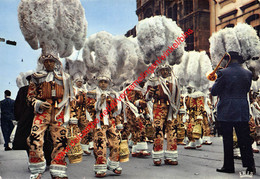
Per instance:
x=193, y=164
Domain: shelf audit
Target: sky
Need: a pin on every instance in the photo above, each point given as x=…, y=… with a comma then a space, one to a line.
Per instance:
x=113, y=16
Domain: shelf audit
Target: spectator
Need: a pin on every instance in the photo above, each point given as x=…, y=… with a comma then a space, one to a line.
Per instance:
x=7, y=115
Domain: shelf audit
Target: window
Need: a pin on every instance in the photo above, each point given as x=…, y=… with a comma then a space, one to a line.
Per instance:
x=203, y=4
x=148, y=13
x=169, y=13
x=174, y=13
x=252, y=18
x=188, y=6
x=230, y=25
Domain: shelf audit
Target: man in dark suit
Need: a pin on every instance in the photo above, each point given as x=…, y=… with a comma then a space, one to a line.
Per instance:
x=232, y=85
x=7, y=115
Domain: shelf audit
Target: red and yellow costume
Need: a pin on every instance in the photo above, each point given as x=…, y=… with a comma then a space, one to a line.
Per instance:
x=136, y=111
x=48, y=87
x=195, y=111
x=166, y=101
x=83, y=110
x=106, y=132
x=181, y=126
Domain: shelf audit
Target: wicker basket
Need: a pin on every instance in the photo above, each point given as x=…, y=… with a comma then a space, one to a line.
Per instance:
x=124, y=151
x=75, y=151
x=197, y=131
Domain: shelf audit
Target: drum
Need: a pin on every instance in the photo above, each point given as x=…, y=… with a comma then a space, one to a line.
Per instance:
x=124, y=151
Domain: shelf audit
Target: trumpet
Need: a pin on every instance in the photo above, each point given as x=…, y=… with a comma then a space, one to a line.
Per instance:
x=212, y=76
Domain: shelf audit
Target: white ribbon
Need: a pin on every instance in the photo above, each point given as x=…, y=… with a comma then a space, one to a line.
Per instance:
x=132, y=107
x=101, y=107
x=67, y=95
x=150, y=109
x=119, y=104
x=175, y=104
x=185, y=116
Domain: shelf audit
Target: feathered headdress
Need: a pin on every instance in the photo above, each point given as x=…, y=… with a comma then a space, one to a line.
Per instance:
x=76, y=69
x=99, y=55
x=192, y=71
x=21, y=79
x=112, y=58
x=241, y=39
x=155, y=35
x=53, y=25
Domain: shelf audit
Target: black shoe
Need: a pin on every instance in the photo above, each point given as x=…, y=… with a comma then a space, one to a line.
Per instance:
x=8, y=148
x=225, y=170
x=251, y=169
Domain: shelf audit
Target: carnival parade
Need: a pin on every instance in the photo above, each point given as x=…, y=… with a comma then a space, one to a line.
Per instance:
x=141, y=96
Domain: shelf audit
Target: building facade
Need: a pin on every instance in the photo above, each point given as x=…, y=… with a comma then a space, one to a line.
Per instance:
x=188, y=14
x=227, y=13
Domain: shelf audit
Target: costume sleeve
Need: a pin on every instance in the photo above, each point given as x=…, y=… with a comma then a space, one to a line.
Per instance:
x=141, y=103
x=73, y=109
x=90, y=109
x=31, y=98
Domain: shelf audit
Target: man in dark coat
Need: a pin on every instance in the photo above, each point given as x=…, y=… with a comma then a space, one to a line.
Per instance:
x=232, y=86
x=24, y=115
x=7, y=115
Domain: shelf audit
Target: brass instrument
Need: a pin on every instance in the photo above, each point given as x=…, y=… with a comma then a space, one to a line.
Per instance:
x=212, y=76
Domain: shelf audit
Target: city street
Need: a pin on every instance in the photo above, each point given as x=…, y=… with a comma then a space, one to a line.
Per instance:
x=195, y=164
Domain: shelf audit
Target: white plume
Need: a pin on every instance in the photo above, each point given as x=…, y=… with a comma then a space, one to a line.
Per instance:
x=242, y=39
x=116, y=57
x=75, y=68
x=192, y=70
x=21, y=78
x=249, y=41
x=155, y=35
x=99, y=54
x=56, y=26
